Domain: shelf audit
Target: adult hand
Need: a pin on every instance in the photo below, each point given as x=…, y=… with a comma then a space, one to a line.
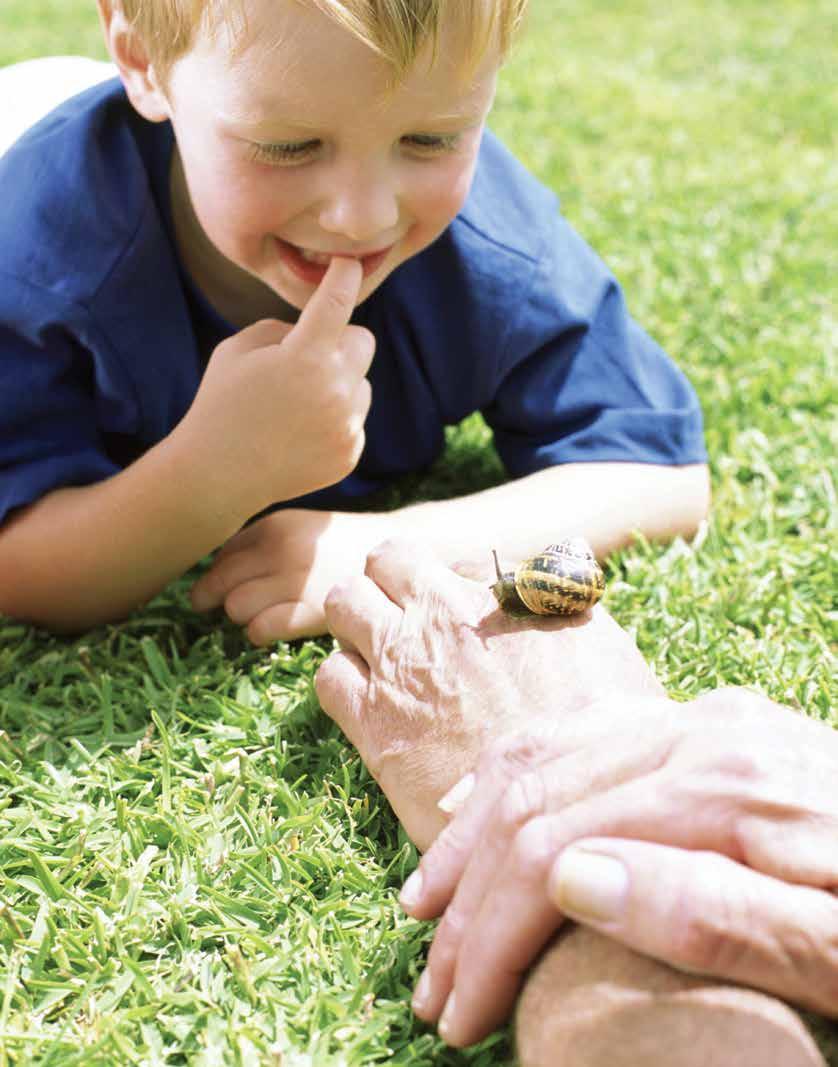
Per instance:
x=703, y=834
x=431, y=671
x=273, y=576
x=281, y=409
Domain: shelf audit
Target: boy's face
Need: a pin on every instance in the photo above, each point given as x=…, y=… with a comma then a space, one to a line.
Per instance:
x=297, y=150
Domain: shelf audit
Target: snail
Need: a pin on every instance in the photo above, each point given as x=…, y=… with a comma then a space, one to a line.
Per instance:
x=563, y=579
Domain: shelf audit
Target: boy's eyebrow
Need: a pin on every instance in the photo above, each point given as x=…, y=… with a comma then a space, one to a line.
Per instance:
x=471, y=116
x=257, y=122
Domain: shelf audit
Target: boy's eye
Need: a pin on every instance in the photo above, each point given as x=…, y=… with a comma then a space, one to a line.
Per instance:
x=426, y=144
x=285, y=151
x=429, y=144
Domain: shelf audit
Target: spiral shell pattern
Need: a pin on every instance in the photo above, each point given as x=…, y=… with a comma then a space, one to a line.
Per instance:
x=564, y=579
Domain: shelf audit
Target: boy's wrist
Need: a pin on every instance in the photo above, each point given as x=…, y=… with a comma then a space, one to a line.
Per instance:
x=209, y=499
x=446, y=526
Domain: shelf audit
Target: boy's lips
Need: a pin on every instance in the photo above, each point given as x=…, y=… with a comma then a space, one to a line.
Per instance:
x=311, y=265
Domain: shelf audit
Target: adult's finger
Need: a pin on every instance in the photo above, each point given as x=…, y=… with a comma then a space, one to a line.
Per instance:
x=544, y=767
x=329, y=308
x=658, y=807
x=357, y=613
x=705, y=913
x=487, y=978
x=495, y=952
x=430, y=888
x=472, y=853
x=341, y=684
x=409, y=572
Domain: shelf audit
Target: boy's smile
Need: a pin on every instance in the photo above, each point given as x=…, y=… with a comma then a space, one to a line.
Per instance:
x=294, y=148
x=311, y=265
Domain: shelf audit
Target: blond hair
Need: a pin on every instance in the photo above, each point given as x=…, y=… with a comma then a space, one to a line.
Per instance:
x=397, y=30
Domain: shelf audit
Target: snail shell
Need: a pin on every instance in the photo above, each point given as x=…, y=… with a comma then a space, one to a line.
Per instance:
x=564, y=579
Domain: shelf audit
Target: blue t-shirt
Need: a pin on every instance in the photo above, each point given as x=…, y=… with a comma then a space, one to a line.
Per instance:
x=103, y=339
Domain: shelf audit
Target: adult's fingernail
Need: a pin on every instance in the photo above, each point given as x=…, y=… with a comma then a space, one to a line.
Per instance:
x=411, y=890
x=457, y=795
x=589, y=885
x=446, y=1022
x=422, y=993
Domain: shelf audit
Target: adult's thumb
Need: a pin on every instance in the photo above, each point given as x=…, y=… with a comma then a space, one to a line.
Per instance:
x=704, y=913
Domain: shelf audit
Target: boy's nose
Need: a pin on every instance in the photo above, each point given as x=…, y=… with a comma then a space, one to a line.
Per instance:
x=362, y=207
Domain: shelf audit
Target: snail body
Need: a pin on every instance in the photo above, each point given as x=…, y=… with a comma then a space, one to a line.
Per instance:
x=563, y=579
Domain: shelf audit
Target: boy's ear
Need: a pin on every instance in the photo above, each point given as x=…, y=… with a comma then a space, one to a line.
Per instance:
x=128, y=51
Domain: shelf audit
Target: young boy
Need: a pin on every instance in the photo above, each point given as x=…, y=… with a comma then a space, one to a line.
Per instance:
x=269, y=267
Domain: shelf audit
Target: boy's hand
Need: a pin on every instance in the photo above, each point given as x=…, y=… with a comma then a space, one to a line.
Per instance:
x=273, y=577
x=281, y=409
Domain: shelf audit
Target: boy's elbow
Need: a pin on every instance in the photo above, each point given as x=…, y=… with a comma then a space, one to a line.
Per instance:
x=45, y=596
x=694, y=498
x=52, y=617
x=58, y=608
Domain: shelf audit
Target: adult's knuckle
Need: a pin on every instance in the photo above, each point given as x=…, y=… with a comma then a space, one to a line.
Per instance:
x=737, y=703
x=457, y=842
x=827, y=945
x=810, y=950
x=390, y=549
x=448, y=852
x=324, y=678
x=453, y=925
x=337, y=597
x=523, y=799
x=516, y=752
x=712, y=940
x=345, y=593
x=532, y=852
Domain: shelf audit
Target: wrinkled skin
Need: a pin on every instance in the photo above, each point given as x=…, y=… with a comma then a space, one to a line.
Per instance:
x=431, y=671
x=722, y=819
x=563, y=733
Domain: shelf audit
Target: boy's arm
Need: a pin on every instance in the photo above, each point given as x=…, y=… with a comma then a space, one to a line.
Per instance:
x=274, y=577
x=605, y=502
x=82, y=556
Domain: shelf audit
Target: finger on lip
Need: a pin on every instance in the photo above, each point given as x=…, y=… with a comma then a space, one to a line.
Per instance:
x=323, y=258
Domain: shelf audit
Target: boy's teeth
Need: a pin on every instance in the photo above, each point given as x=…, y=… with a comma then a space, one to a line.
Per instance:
x=316, y=257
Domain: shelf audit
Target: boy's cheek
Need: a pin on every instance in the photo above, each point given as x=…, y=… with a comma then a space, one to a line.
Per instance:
x=450, y=194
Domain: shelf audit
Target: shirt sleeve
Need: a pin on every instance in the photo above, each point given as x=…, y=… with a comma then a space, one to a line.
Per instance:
x=49, y=435
x=580, y=381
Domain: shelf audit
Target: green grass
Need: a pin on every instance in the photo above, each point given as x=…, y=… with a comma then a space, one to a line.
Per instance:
x=193, y=867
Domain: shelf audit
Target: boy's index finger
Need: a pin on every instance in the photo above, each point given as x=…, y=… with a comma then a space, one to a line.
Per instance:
x=330, y=306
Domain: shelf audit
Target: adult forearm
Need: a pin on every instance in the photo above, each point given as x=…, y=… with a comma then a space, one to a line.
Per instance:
x=605, y=502
x=590, y=1002
x=82, y=556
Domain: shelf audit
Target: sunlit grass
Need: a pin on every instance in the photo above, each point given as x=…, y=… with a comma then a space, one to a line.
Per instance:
x=193, y=866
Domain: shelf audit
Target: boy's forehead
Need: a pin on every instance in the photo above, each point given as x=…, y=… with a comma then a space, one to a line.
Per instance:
x=287, y=33
x=288, y=53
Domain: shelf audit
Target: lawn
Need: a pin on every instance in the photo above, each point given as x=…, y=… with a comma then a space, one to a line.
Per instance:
x=193, y=866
